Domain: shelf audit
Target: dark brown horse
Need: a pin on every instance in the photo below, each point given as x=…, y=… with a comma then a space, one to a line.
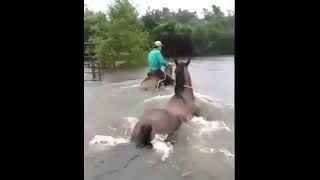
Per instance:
x=179, y=108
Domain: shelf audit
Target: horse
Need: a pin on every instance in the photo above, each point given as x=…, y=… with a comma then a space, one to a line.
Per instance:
x=152, y=82
x=179, y=109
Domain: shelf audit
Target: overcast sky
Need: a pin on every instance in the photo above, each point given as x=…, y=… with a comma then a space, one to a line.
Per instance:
x=174, y=5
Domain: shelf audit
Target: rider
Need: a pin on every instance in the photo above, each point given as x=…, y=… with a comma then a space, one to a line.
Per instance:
x=155, y=61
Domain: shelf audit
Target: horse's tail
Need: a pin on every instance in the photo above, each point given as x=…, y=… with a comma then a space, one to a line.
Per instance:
x=144, y=137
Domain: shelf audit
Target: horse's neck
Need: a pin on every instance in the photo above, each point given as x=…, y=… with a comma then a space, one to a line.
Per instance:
x=187, y=94
x=188, y=91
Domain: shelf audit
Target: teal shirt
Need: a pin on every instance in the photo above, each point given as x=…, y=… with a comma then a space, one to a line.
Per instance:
x=156, y=60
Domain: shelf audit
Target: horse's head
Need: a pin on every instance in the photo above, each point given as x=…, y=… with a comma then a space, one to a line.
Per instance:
x=186, y=64
x=183, y=78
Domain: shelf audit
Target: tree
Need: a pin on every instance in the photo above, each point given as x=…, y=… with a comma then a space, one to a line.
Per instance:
x=200, y=38
x=125, y=39
x=119, y=35
x=217, y=11
x=183, y=33
x=185, y=16
x=151, y=19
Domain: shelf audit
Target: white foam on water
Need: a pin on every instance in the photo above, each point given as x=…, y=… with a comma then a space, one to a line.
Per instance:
x=226, y=152
x=131, y=122
x=208, y=150
x=158, y=142
x=186, y=173
x=107, y=140
x=112, y=128
x=131, y=86
x=209, y=126
x=102, y=142
x=209, y=100
x=158, y=98
x=129, y=125
x=203, y=96
x=122, y=84
x=162, y=147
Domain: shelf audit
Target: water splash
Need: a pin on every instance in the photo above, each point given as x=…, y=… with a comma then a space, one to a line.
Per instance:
x=158, y=98
x=199, y=98
x=209, y=150
x=103, y=142
x=200, y=125
x=162, y=147
x=107, y=140
x=131, y=86
x=209, y=126
x=130, y=122
x=226, y=152
x=158, y=143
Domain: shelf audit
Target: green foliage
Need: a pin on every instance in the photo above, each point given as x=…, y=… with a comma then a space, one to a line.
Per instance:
x=200, y=39
x=185, y=16
x=118, y=35
x=183, y=33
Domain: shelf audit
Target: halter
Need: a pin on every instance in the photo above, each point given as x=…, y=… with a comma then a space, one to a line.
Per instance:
x=186, y=86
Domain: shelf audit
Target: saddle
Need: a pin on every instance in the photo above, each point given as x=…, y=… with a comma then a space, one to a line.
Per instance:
x=152, y=74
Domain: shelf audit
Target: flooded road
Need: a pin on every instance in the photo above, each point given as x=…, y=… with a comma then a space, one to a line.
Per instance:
x=205, y=147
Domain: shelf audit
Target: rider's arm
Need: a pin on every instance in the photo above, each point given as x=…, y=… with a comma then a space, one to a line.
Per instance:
x=162, y=61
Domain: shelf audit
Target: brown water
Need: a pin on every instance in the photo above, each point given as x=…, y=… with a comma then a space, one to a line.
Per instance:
x=205, y=147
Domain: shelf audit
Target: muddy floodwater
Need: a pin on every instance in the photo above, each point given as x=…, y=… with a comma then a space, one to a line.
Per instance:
x=205, y=146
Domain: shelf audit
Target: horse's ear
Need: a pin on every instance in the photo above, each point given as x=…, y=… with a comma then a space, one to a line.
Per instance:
x=188, y=62
x=176, y=61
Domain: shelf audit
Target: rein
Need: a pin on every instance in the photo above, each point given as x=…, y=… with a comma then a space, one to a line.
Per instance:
x=165, y=77
x=187, y=86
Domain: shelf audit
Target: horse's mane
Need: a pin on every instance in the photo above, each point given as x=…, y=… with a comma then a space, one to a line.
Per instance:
x=180, y=81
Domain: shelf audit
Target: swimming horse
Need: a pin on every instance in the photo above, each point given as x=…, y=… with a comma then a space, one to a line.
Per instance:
x=180, y=108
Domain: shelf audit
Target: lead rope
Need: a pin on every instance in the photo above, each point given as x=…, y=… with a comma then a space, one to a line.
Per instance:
x=165, y=77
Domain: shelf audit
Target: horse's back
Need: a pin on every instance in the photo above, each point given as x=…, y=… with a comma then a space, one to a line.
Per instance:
x=179, y=108
x=162, y=121
x=149, y=84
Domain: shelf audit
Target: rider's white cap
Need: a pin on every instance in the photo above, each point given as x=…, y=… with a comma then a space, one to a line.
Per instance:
x=158, y=43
